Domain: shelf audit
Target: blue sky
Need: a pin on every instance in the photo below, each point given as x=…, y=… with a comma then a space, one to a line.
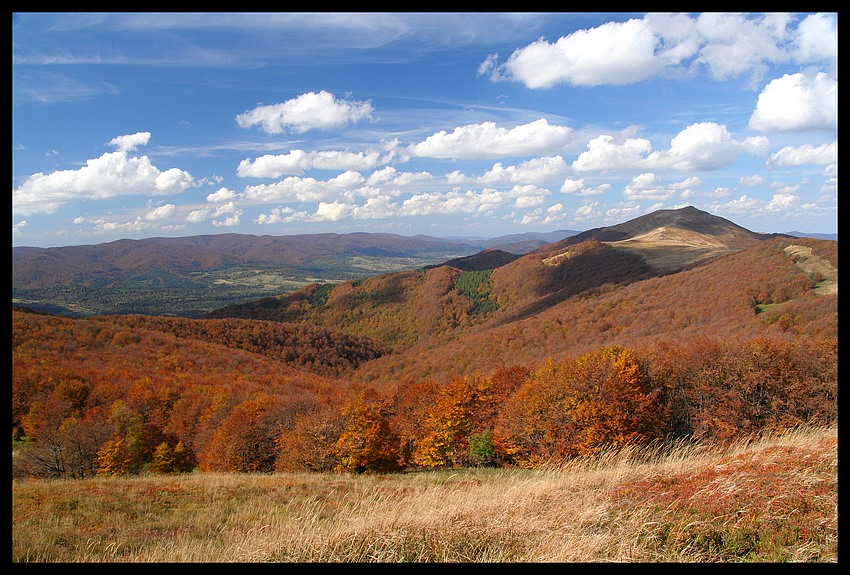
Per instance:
x=136, y=125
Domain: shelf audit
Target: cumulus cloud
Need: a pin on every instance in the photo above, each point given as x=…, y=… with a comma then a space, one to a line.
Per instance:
x=781, y=202
x=619, y=53
x=705, y=146
x=161, y=213
x=615, y=53
x=735, y=43
x=797, y=102
x=817, y=38
x=536, y=171
x=825, y=154
x=453, y=202
x=312, y=110
x=552, y=214
x=487, y=140
x=130, y=142
x=112, y=174
x=296, y=162
x=701, y=146
x=227, y=215
x=587, y=211
x=577, y=187
x=197, y=216
x=604, y=152
x=749, y=181
x=646, y=186
x=391, y=176
x=221, y=195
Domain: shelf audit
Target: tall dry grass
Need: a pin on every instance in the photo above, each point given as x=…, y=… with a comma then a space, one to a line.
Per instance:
x=769, y=499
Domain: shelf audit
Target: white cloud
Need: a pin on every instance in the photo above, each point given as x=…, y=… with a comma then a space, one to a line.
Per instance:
x=291, y=189
x=536, y=171
x=390, y=176
x=646, y=186
x=161, y=213
x=579, y=188
x=687, y=183
x=130, y=142
x=743, y=205
x=817, y=38
x=626, y=52
x=278, y=215
x=705, y=146
x=112, y=174
x=296, y=162
x=615, y=53
x=453, y=202
x=603, y=153
x=308, y=111
x=825, y=154
x=735, y=43
x=702, y=146
x=486, y=140
x=797, y=102
x=781, y=202
x=221, y=195
x=232, y=215
x=488, y=64
x=588, y=211
x=749, y=181
x=198, y=216
x=346, y=180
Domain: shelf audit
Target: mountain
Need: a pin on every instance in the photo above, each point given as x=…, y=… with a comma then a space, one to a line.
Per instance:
x=651, y=277
x=192, y=275
x=690, y=326
x=816, y=236
x=671, y=239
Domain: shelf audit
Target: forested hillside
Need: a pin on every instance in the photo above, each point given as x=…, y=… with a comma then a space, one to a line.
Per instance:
x=568, y=350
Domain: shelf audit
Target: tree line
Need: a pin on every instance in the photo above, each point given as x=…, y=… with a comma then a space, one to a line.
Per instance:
x=95, y=397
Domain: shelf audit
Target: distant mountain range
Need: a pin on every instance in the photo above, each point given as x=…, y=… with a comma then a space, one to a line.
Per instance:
x=815, y=236
x=189, y=276
x=193, y=276
x=437, y=308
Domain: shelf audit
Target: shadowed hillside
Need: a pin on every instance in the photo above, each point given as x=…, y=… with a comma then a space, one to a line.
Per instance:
x=763, y=291
x=407, y=308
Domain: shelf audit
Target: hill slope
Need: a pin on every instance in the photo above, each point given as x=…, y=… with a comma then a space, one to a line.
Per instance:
x=670, y=274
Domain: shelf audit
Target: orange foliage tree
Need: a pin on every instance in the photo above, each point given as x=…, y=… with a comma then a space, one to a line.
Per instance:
x=533, y=427
x=245, y=439
x=450, y=421
x=310, y=443
x=368, y=443
x=603, y=398
x=615, y=404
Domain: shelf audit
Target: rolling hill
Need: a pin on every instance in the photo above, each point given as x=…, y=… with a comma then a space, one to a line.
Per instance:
x=192, y=275
x=655, y=277
x=688, y=325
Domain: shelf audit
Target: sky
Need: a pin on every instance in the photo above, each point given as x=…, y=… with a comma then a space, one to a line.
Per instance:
x=479, y=125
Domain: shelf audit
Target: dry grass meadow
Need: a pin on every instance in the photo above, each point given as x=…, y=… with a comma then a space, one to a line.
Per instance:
x=771, y=499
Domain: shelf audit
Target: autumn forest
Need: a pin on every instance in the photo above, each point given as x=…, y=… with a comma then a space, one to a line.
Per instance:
x=504, y=361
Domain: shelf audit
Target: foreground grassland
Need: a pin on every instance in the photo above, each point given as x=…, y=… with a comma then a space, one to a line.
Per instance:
x=765, y=500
